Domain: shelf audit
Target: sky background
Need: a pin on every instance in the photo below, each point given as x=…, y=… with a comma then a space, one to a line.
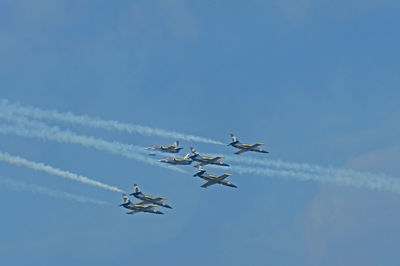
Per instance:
x=316, y=81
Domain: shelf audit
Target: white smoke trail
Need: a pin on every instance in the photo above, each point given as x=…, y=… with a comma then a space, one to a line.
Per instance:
x=83, y=120
x=40, y=130
x=35, y=189
x=320, y=174
x=304, y=167
x=273, y=163
x=18, y=161
x=297, y=171
x=368, y=181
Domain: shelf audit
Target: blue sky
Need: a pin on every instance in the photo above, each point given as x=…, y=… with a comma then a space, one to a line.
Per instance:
x=316, y=81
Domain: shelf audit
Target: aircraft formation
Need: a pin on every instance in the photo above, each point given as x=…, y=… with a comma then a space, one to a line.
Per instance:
x=149, y=203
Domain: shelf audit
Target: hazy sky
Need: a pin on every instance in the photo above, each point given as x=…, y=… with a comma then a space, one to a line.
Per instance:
x=316, y=81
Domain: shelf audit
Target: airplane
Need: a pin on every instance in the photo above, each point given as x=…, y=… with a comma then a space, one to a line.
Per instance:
x=206, y=160
x=172, y=149
x=246, y=147
x=135, y=208
x=185, y=161
x=213, y=179
x=148, y=199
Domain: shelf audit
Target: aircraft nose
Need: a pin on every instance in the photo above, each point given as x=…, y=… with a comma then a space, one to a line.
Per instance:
x=167, y=206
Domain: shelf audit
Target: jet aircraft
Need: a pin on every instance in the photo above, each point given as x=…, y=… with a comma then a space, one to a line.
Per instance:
x=202, y=160
x=135, y=208
x=213, y=179
x=171, y=149
x=246, y=147
x=148, y=199
x=185, y=161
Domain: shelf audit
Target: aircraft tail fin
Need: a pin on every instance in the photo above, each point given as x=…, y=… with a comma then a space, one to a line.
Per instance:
x=187, y=156
x=234, y=139
x=136, y=188
x=126, y=199
x=201, y=170
x=176, y=144
x=194, y=151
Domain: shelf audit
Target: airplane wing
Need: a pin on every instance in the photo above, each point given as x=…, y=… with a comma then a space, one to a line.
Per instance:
x=132, y=212
x=209, y=183
x=160, y=198
x=242, y=151
x=256, y=145
x=222, y=177
x=248, y=148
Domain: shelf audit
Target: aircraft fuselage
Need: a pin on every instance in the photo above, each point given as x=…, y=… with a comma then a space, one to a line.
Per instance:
x=208, y=160
x=175, y=161
x=151, y=200
x=169, y=149
x=246, y=146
